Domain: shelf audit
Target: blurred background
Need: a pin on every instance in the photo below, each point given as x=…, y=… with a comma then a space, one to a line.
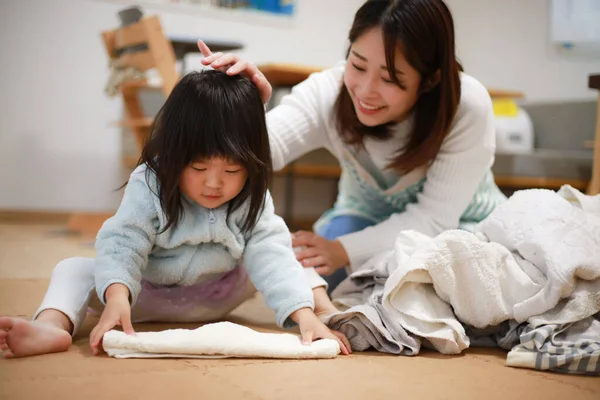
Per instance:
x=62, y=153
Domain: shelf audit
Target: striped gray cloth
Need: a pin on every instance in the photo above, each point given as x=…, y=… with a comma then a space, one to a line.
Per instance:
x=571, y=348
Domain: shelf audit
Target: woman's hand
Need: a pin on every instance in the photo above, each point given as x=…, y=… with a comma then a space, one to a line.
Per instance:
x=116, y=312
x=311, y=328
x=232, y=65
x=326, y=256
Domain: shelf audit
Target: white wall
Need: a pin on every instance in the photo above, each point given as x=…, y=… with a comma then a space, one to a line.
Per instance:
x=57, y=149
x=506, y=44
x=58, y=152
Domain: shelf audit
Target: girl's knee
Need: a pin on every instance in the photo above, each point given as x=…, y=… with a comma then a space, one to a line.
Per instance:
x=79, y=266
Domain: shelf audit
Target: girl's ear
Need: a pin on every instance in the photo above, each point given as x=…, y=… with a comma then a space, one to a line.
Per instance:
x=431, y=82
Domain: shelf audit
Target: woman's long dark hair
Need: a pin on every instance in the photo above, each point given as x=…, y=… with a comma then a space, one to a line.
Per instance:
x=423, y=30
x=210, y=114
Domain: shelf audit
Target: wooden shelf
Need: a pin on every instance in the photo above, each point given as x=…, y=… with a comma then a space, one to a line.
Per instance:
x=279, y=74
x=498, y=93
x=144, y=122
x=287, y=74
x=311, y=171
x=527, y=182
x=513, y=182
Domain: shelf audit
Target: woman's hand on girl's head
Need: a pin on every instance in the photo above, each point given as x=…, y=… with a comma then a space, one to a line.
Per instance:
x=326, y=256
x=233, y=65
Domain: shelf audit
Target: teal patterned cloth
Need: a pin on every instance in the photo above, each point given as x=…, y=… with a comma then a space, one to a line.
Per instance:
x=369, y=198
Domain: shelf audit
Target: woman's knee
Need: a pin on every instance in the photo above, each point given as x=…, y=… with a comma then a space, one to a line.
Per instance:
x=344, y=225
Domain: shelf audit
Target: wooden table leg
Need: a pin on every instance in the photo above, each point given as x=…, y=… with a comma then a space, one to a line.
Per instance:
x=594, y=187
x=288, y=211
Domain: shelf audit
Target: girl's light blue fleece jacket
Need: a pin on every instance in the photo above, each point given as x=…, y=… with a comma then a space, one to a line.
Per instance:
x=204, y=245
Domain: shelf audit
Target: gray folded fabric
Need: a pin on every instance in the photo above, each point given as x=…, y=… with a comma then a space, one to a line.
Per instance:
x=570, y=348
x=506, y=335
x=367, y=326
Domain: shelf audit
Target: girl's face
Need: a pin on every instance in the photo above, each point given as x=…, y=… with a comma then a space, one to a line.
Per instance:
x=376, y=98
x=213, y=182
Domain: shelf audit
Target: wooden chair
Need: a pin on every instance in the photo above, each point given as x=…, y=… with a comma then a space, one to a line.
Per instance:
x=140, y=47
x=132, y=50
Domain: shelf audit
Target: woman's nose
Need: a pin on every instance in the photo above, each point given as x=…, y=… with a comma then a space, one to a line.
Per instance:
x=367, y=89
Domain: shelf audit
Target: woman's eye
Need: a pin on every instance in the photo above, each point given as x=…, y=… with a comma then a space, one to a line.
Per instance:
x=356, y=67
x=400, y=84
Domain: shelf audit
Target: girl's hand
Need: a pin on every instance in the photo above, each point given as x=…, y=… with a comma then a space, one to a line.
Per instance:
x=116, y=312
x=323, y=304
x=311, y=328
x=232, y=65
x=326, y=256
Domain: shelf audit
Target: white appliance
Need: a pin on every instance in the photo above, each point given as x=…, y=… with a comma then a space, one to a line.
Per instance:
x=514, y=134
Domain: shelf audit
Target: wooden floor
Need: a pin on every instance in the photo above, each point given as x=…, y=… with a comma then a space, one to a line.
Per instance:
x=28, y=253
x=32, y=251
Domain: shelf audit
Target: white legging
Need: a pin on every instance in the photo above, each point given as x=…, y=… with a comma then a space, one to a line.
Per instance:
x=72, y=291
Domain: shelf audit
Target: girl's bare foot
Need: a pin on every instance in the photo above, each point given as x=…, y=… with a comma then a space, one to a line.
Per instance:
x=23, y=338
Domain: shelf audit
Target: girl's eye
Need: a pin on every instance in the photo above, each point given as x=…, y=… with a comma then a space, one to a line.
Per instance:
x=198, y=168
x=233, y=171
x=387, y=80
x=356, y=67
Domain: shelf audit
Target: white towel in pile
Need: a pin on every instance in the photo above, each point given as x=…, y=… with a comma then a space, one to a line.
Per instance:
x=218, y=340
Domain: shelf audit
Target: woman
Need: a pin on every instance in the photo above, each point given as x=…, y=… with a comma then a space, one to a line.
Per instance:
x=414, y=135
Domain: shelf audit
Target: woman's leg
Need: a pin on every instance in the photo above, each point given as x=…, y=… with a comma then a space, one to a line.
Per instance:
x=340, y=226
x=62, y=312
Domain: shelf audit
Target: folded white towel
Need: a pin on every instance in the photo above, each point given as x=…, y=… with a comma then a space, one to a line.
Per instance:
x=218, y=340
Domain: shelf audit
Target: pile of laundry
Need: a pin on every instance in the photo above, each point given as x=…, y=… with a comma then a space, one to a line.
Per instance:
x=527, y=280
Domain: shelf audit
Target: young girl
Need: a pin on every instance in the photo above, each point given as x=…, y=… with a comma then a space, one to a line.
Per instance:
x=194, y=235
x=414, y=135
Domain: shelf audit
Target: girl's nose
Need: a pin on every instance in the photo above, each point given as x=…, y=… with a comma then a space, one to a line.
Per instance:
x=213, y=180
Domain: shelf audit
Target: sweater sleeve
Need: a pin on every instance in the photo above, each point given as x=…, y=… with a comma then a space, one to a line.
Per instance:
x=451, y=181
x=125, y=241
x=298, y=124
x=273, y=268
